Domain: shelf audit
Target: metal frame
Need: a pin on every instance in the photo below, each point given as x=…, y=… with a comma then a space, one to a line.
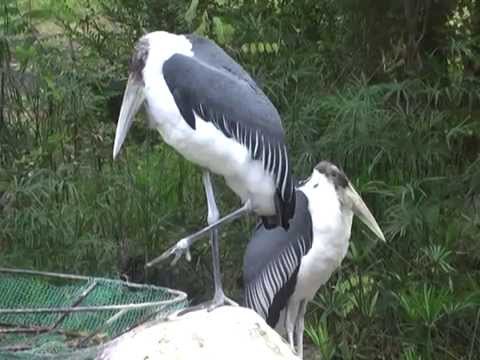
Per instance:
x=120, y=310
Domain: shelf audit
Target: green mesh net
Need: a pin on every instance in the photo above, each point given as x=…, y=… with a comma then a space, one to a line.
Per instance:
x=47, y=315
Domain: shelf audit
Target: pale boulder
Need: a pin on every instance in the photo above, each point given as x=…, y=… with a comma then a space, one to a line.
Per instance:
x=225, y=333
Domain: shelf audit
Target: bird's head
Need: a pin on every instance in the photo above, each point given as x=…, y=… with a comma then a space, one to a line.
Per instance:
x=348, y=196
x=145, y=73
x=133, y=96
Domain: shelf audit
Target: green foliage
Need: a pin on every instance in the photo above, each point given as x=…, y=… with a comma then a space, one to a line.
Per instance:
x=388, y=90
x=320, y=337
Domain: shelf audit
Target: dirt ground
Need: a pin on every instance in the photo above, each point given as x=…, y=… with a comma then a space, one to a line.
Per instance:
x=311, y=352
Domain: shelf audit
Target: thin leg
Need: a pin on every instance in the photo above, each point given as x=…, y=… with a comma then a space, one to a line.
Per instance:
x=300, y=327
x=290, y=325
x=213, y=216
x=219, y=297
x=182, y=247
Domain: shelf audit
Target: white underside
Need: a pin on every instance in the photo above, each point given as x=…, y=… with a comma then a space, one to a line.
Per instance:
x=206, y=145
x=331, y=233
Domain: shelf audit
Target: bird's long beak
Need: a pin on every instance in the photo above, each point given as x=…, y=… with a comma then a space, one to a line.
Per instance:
x=362, y=211
x=132, y=100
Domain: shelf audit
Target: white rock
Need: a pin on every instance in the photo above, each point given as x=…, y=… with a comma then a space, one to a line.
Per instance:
x=227, y=332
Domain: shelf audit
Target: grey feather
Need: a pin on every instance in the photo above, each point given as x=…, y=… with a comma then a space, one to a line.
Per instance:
x=212, y=85
x=272, y=259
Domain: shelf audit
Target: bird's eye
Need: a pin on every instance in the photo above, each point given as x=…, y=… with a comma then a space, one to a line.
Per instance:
x=303, y=182
x=315, y=186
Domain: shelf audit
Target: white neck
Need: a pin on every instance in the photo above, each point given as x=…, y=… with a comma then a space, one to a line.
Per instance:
x=323, y=202
x=162, y=45
x=331, y=226
x=161, y=104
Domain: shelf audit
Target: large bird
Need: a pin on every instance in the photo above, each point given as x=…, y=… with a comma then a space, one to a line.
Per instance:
x=283, y=269
x=209, y=109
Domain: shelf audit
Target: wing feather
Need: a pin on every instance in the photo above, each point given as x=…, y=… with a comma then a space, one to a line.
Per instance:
x=272, y=261
x=234, y=105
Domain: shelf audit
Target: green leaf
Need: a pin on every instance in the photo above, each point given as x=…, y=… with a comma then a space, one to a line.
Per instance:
x=4, y=186
x=191, y=12
x=39, y=14
x=222, y=30
x=24, y=53
x=203, y=27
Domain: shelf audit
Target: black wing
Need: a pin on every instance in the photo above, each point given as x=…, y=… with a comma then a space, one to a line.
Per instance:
x=208, y=52
x=272, y=261
x=228, y=98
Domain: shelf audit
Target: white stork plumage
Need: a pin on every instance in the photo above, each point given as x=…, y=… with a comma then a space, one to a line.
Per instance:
x=283, y=269
x=209, y=109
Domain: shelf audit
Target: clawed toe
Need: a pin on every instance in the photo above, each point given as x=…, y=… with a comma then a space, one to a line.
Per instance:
x=216, y=302
x=220, y=300
x=180, y=249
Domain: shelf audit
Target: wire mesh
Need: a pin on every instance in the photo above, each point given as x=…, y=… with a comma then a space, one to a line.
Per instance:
x=50, y=315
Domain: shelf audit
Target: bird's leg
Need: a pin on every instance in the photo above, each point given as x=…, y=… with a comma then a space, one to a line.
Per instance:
x=219, y=297
x=289, y=326
x=300, y=327
x=182, y=247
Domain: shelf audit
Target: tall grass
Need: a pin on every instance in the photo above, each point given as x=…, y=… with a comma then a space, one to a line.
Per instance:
x=416, y=291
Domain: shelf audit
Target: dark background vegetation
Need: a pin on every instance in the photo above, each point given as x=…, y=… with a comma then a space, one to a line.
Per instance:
x=389, y=90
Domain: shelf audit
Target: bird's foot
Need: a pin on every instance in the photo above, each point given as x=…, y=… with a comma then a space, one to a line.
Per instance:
x=218, y=300
x=178, y=250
